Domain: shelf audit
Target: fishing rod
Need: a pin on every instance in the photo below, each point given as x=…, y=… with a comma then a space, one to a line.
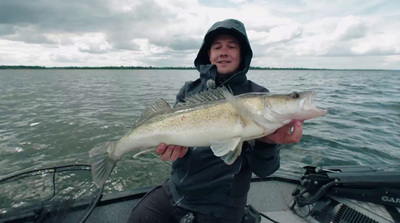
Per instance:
x=97, y=199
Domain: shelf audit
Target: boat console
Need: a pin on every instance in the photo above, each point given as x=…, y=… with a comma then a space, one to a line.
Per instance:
x=350, y=193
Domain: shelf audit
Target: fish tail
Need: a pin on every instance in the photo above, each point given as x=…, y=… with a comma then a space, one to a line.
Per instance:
x=103, y=161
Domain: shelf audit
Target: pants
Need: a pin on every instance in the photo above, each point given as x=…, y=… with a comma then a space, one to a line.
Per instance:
x=158, y=206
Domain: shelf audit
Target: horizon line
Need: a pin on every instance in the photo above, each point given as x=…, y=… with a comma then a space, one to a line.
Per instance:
x=175, y=67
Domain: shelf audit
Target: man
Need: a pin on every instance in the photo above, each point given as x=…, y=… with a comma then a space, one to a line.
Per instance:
x=202, y=185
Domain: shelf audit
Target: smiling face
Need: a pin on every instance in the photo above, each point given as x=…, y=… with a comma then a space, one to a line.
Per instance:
x=225, y=54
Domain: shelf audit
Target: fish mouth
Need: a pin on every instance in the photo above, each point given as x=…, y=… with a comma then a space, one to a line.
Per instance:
x=307, y=100
x=296, y=106
x=306, y=105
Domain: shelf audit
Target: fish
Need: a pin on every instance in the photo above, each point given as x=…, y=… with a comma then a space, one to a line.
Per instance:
x=214, y=118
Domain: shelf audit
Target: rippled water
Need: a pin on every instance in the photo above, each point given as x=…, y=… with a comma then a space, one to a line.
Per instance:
x=54, y=117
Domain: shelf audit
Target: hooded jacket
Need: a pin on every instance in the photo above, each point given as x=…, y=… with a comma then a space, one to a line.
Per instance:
x=200, y=181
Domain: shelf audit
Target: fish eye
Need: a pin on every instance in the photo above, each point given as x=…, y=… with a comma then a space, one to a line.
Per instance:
x=295, y=94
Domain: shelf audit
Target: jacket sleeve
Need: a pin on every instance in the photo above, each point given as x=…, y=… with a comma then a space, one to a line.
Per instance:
x=263, y=158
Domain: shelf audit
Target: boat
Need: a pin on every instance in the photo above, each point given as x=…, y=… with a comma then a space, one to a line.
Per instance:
x=334, y=194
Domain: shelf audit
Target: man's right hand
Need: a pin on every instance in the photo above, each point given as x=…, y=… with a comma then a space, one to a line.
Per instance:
x=171, y=152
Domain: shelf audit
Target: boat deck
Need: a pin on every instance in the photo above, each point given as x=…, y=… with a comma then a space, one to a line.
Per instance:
x=272, y=197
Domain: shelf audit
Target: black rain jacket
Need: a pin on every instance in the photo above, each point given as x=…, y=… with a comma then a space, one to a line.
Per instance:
x=202, y=182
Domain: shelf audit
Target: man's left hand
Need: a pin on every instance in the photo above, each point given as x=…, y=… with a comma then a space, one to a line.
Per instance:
x=290, y=133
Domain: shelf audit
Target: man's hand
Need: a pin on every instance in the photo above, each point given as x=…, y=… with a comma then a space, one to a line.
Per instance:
x=290, y=133
x=171, y=152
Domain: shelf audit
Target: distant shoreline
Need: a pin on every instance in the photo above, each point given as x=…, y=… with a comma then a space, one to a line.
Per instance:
x=4, y=67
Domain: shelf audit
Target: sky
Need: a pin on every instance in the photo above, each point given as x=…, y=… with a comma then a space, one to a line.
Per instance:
x=332, y=34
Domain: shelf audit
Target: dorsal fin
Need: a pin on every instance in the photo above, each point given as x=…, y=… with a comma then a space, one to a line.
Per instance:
x=160, y=105
x=205, y=96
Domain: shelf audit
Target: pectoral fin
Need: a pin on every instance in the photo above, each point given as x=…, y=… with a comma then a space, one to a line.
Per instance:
x=233, y=155
x=222, y=148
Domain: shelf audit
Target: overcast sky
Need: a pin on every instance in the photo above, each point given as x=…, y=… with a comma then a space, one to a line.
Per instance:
x=359, y=34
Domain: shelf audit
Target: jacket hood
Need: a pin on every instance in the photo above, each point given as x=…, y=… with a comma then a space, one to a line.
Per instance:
x=232, y=27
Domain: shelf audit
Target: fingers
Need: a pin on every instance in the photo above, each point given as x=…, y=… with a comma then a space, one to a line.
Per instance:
x=161, y=148
x=183, y=152
x=175, y=153
x=293, y=133
x=178, y=152
x=290, y=133
x=171, y=152
x=297, y=131
x=167, y=154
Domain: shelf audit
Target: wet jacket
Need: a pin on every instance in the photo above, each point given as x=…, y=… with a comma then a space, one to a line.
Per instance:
x=202, y=182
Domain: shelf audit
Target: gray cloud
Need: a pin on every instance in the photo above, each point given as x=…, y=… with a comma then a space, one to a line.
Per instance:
x=182, y=42
x=29, y=34
x=94, y=50
x=350, y=28
x=53, y=15
x=6, y=29
x=30, y=21
x=149, y=32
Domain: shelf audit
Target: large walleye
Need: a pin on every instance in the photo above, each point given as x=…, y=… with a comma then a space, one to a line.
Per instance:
x=213, y=118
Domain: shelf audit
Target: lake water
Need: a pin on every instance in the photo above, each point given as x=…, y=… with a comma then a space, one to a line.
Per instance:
x=54, y=117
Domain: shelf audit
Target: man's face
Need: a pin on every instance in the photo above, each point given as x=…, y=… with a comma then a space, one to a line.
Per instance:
x=225, y=54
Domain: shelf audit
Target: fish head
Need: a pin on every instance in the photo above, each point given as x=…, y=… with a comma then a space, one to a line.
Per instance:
x=294, y=106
